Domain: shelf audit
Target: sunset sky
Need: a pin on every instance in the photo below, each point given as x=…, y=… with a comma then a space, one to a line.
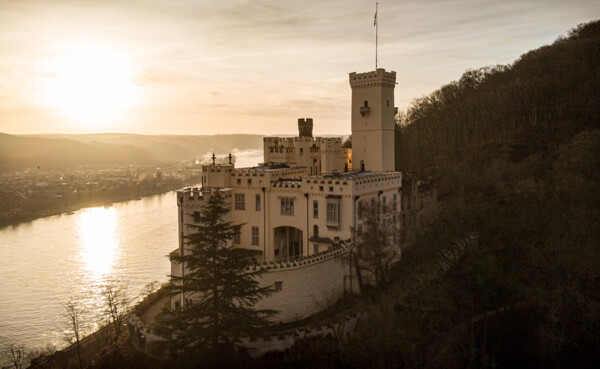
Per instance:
x=207, y=67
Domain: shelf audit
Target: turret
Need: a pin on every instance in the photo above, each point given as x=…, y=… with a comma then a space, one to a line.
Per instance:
x=373, y=120
x=305, y=127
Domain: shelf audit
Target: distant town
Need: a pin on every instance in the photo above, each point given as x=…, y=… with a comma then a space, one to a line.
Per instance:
x=36, y=192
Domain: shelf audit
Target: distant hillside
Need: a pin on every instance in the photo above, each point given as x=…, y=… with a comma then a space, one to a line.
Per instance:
x=56, y=151
x=17, y=152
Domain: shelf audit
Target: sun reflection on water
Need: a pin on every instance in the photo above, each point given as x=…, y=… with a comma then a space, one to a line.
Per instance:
x=97, y=229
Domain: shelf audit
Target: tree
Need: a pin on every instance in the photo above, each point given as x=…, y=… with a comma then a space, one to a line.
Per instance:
x=376, y=249
x=41, y=357
x=347, y=143
x=15, y=354
x=219, y=285
x=116, y=304
x=72, y=323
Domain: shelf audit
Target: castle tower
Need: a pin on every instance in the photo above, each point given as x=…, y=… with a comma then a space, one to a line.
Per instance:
x=373, y=120
x=305, y=127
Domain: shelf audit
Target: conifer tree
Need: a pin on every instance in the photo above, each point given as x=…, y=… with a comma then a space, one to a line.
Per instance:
x=377, y=250
x=219, y=285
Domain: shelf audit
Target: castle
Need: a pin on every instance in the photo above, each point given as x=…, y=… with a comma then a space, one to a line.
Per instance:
x=299, y=209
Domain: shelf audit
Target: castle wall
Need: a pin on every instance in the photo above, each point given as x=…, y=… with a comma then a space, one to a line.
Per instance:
x=306, y=288
x=216, y=175
x=317, y=154
x=291, y=190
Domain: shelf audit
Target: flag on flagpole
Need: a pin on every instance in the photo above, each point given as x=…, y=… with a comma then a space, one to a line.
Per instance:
x=375, y=20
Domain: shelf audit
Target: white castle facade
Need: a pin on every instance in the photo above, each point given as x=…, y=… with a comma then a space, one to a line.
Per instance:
x=299, y=209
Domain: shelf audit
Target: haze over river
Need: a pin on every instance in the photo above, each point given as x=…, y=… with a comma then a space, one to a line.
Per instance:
x=48, y=261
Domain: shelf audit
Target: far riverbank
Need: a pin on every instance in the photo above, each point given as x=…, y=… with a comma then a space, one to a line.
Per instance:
x=101, y=198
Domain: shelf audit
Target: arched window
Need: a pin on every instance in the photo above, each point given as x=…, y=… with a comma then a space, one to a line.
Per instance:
x=316, y=230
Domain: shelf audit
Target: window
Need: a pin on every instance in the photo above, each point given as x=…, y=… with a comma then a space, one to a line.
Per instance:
x=387, y=102
x=257, y=199
x=394, y=206
x=333, y=212
x=316, y=230
x=287, y=206
x=239, y=181
x=320, y=188
x=196, y=215
x=237, y=239
x=384, y=204
x=278, y=286
x=330, y=189
x=315, y=248
x=316, y=209
x=240, y=201
x=255, y=236
x=301, y=151
x=249, y=181
x=362, y=165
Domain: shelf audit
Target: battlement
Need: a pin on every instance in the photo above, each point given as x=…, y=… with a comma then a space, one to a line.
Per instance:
x=212, y=168
x=286, y=184
x=273, y=340
x=302, y=261
x=373, y=79
x=200, y=194
x=357, y=177
x=249, y=172
x=291, y=140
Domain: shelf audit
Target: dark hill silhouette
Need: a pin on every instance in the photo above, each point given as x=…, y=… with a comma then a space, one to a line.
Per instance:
x=507, y=274
x=550, y=93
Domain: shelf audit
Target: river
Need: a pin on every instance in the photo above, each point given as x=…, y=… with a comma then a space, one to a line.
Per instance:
x=49, y=261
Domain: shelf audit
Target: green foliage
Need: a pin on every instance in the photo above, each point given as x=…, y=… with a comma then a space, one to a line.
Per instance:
x=219, y=285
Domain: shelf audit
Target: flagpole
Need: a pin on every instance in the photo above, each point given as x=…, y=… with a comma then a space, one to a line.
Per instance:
x=376, y=32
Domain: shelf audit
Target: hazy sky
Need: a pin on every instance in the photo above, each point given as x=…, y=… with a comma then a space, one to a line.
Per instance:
x=206, y=67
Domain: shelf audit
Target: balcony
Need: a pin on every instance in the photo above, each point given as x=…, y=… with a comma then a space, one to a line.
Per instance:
x=364, y=110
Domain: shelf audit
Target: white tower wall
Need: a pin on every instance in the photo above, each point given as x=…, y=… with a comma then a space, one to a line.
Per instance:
x=373, y=120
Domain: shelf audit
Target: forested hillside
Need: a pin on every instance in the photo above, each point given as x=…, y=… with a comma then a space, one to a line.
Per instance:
x=547, y=95
x=508, y=275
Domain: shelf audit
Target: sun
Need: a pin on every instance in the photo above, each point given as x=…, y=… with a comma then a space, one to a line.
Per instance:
x=91, y=84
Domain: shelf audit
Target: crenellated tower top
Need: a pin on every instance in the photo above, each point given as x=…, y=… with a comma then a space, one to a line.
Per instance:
x=376, y=78
x=305, y=127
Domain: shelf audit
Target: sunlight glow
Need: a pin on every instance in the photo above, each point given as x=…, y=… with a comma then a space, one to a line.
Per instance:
x=93, y=85
x=98, y=238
